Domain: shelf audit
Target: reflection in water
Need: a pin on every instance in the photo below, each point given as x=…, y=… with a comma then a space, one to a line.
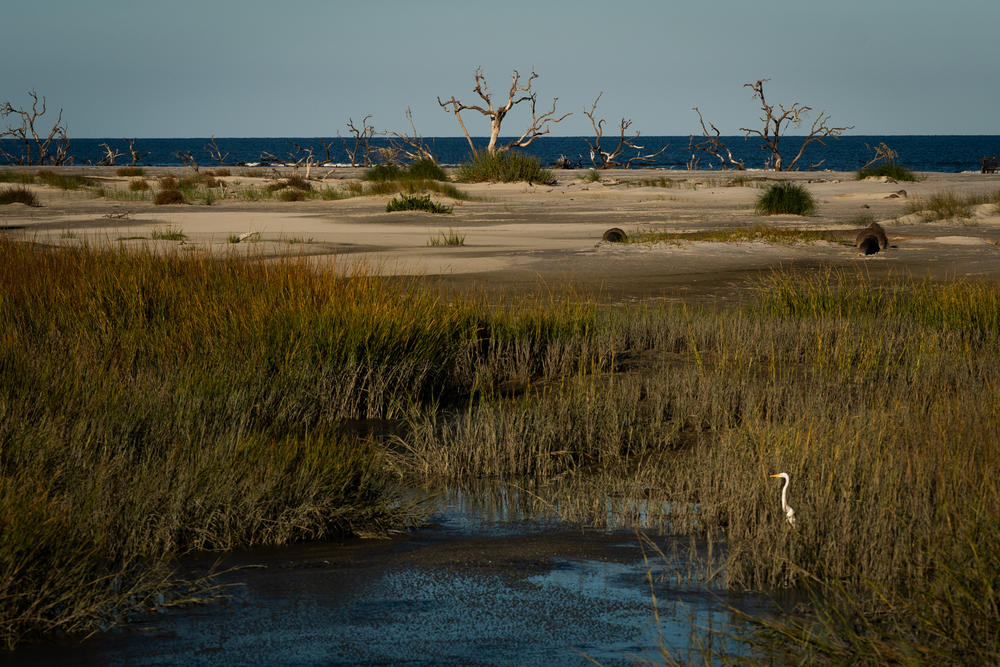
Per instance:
x=492, y=579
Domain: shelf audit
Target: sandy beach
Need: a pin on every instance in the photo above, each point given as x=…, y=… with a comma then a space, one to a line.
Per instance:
x=522, y=236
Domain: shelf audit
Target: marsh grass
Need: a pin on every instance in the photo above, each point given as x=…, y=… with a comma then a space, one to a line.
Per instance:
x=130, y=171
x=186, y=402
x=758, y=233
x=153, y=405
x=18, y=195
x=949, y=205
x=592, y=176
x=785, y=199
x=504, y=167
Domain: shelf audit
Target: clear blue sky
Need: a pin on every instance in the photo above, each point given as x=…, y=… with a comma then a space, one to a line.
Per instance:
x=178, y=68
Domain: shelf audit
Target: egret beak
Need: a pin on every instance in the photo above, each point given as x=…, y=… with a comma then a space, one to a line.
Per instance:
x=777, y=475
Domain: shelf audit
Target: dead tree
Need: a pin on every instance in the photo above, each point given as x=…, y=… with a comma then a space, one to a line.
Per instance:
x=714, y=146
x=539, y=124
x=362, y=141
x=773, y=122
x=110, y=156
x=36, y=150
x=604, y=159
x=187, y=158
x=215, y=152
x=409, y=145
x=136, y=155
x=882, y=152
x=303, y=155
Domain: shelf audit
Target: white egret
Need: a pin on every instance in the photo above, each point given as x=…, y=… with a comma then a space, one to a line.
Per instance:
x=789, y=512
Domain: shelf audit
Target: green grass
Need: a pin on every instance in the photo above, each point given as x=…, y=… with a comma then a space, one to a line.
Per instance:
x=415, y=203
x=785, y=199
x=450, y=239
x=64, y=181
x=18, y=195
x=949, y=205
x=168, y=234
x=423, y=170
x=889, y=170
x=592, y=176
x=504, y=167
x=759, y=233
x=20, y=177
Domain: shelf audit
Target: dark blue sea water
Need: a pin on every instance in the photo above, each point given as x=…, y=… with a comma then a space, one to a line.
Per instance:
x=942, y=153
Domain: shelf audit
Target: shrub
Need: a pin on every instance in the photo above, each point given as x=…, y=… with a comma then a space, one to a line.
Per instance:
x=137, y=184
x=889, y=170
x=293, y=194
x=130, y=171
x=294, y=181
x=169, y=182
x=415, y=203
x=168, y=196
x=426, y=169
x=383, y=172
x=503, y=166
x=18, y=195
x=786, y=198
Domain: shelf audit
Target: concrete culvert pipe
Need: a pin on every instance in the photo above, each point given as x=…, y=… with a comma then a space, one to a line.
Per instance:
x=871, y=239
x=869, y=245
x=615, y=235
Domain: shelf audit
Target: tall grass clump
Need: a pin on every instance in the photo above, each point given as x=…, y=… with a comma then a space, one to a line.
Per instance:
x=504, y=167
x=888, y=170
x=425, y=169
x=153, y=405
x=785, y=199
x=949, y=205
x=130, y=171
x=18, y=195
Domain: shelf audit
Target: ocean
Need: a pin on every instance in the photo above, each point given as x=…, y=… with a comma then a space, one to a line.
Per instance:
x=941, y=153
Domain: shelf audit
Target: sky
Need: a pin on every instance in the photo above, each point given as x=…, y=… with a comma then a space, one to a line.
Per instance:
x=249, y=68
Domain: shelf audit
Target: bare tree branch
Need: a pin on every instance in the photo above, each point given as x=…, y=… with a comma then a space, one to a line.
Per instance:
x=110, y=156
x=187, y=158
x=539, y=124
x=215, y=152
x=604, y=159
x=362, y=141
x=714, y=146
x=773, y=121
x=136, y=155
x=410, y=146
x=27, y=134
x=882, y=152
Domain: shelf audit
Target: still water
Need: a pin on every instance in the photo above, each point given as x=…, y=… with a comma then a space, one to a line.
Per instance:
x=474, y=586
